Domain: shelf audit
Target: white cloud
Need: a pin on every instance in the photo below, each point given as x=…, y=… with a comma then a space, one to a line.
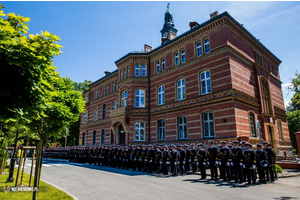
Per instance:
x=286, y=103
x=286, y=85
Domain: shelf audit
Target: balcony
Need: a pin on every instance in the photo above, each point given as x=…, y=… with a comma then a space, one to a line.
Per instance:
x=119, y=112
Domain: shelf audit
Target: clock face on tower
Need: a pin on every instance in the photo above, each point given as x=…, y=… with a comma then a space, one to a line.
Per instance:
x=165, y=35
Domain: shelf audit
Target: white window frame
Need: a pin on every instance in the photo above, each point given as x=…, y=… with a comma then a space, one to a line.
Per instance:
x=125, y=75
x=86, y=98
x=163, y=65
x=96, y=114
x=107, y=89
x=114, y=105
x=121, y=75
x=157, y=67
x=210, y=125
x=206, y=46
x=176, y=59
x=181, y=95
x=137, y=70
x=161, y=95
x=124, y=99
x=140, y=98
x=104, y=111
x=199, y=48
x=207, y=83
x=161, y=129
x=139, y=131
x=128, y=72
x=104, y=90
x=182, y=128
x=85, y=117
x=144, y=70
x=252, y=124
x=113, y=86
x=183, y=57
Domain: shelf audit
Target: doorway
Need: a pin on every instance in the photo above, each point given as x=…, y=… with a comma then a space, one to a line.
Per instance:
x=121, y=135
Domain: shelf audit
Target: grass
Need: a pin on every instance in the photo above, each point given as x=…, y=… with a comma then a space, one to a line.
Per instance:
x=46, y=191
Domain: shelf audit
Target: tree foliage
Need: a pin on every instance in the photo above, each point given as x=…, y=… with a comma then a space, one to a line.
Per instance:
x=293, y=109
x=81, y=87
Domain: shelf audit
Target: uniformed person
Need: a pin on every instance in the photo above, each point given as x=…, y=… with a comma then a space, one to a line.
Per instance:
x=150, y=158
x=237, y=162
x=166, y=161
x=159, y=160
x=173, y=160
x=270, y=155
x=261, y=163
x=250, y=164
x=201, y=160
x=194, y=157
x=182, y=159
x=213, y=154
x=225, y=159
x=188, y=158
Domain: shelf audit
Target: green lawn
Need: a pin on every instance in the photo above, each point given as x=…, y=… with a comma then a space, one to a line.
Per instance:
x=46, y=191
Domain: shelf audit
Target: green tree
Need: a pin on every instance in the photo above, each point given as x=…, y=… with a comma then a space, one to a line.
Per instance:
x=64, y=106
x=293, y=109
x=81, y=87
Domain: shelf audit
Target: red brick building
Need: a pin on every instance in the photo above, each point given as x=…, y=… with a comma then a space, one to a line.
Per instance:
x=215, y=81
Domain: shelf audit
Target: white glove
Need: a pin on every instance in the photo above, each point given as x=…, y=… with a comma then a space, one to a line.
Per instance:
x=126, y=159
x=178, y=162
x=167, y=162
x=175, y=163
x=145, y=160
x=197, y=163
x=115, y=157
x=216, y=162
x=254, y=166
x=204, y=163
x=183, y=162
x=265, y=165
x=244, y=166
x=231, y=163
x=207, y=162
x=160, y=162
x=228, y=163
x=189, y=160
x=219, y=163
x=241, y=164
x=123, y=159
x=150, y=161
x=195, y=160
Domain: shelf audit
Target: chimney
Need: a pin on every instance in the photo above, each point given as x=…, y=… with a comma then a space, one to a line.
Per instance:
x=214, y=14
x=147, y=48
x=107, y=72
x=193, y=24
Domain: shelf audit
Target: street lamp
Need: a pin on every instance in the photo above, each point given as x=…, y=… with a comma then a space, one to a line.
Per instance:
x=13, y=159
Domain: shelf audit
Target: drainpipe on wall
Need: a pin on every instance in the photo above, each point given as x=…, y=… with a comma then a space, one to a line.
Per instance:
x=149, y=99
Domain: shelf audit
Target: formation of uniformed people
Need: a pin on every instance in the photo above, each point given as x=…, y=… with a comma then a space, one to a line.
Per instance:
x=235, y=161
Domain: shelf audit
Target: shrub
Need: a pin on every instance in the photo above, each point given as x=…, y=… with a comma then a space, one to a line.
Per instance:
x=278, y=169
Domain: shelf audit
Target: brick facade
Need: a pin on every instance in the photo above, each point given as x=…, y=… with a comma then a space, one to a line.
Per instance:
x=245, y=86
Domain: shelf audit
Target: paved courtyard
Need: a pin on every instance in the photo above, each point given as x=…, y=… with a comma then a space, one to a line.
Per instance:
x=97, y=182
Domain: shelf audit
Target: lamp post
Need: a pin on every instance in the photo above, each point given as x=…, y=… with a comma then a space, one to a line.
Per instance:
x=13, y=159
x=74, y=141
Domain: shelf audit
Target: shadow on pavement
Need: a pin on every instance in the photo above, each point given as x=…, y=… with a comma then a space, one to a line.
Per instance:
x=96, y=167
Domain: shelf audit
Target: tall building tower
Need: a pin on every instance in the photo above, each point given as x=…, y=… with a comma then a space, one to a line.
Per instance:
x=169, y=31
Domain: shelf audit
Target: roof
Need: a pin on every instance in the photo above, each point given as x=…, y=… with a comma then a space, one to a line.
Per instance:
x=196, y=28
x=109, y=74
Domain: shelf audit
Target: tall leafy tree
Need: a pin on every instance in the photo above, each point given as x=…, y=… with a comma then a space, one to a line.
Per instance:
x=293, y=109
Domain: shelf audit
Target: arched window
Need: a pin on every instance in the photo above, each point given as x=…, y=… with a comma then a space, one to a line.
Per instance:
x=124, y=99
x=252, y=124
x=140, y=98
x=208, y=125
x=83, y=138
x=182, y=129
x=205, y=82
x=85, y=117
x=279, y=125
x=139, y=131
x=266, y=96
x=95, y=114
x=94, y=138
x=161, y=95
x=181, y=89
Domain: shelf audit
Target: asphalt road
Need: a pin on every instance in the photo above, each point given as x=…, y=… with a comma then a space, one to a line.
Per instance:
x=97, y=182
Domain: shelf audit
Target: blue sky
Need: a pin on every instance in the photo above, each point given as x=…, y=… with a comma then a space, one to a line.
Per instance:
x=96, y=34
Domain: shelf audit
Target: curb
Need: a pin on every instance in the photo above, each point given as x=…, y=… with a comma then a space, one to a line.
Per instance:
x=75, y=198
